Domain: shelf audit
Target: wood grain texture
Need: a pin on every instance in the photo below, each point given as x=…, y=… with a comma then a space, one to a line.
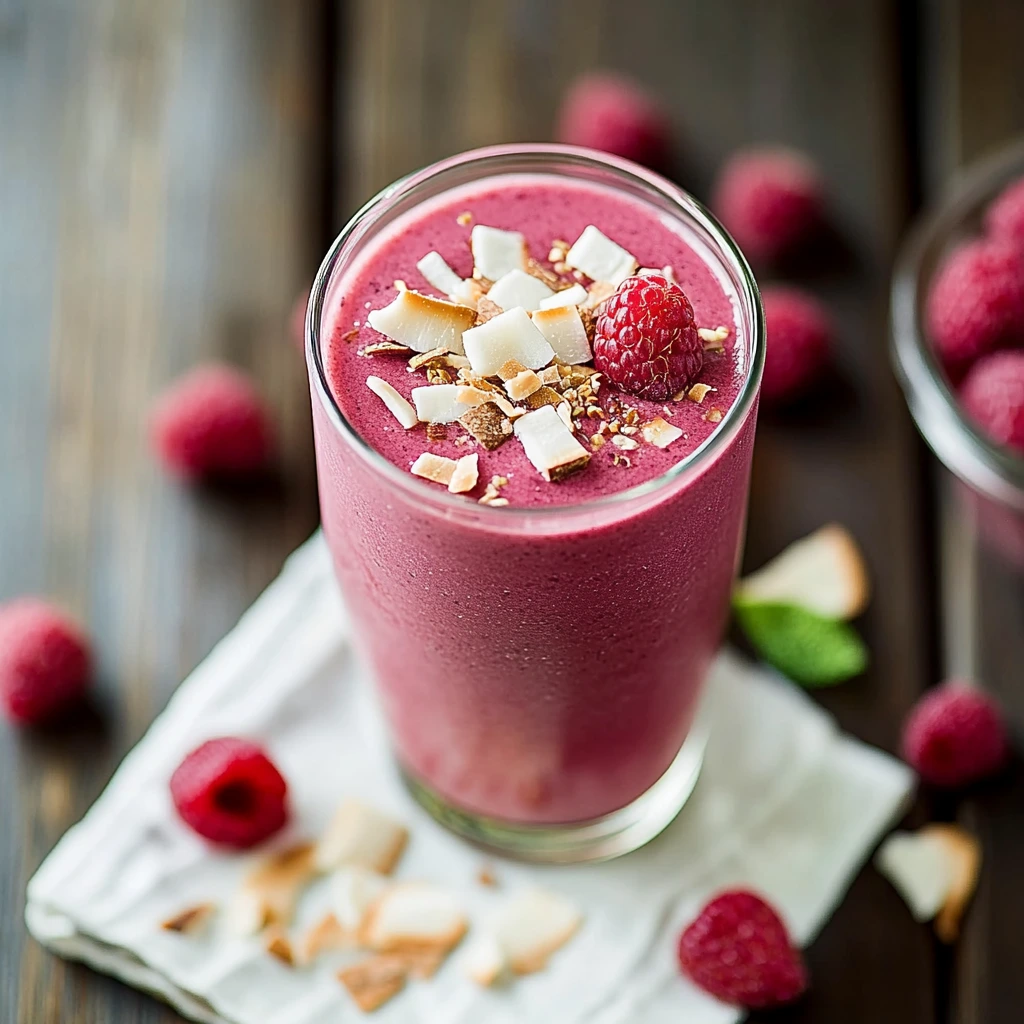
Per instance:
x=159, y=184
x=453, y=74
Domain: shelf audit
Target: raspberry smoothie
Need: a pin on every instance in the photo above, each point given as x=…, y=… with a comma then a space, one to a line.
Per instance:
x=540, y=572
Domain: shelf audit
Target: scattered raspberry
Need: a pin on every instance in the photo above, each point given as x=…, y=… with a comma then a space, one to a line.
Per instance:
x=613, y=114
x=738, y=949
x=770, y=199
x=211, y=422
x=1005, y=217
x=799, y=338
x=45, y=661
x=993, y=396
x=297, y=321
x=645, y=340
x=229, y=791
x=955, y=735
x=976, y=302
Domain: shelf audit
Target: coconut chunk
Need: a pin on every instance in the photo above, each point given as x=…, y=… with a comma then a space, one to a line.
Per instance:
x=414, y=916
x=439, y=403
x=422, y=322
x=485, y=961
x=572, y=296
x=471, y=396
x=397, y=405
x=326, y=936
x=522, y=385
x=563, y=327
x=964, y=854
x=372, y=982
x=361, y=835
x=488, y=424
x=191, y=921
x=824, y=572
x=270, y=891
x=439, y=275
x=433, y=467
x=549, y=444
x=354, y=890
x=601, y=259
x=496, y=252
x=517, y=288
x=465, y=475
x=509, y=335
x=660, y=432
x=278, y=945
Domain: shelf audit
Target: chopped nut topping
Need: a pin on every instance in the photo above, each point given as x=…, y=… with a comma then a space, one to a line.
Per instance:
x=713, y=415
x=190, y=921
x=464, y=218
x=596, y=440
x=710, y=337
x=699, y=392
x=543, y=396
x=421, y=359
x=599, y=291
x=434, y=467
x=539, y=271
x=491, y=494
x=488, y=425
x=438, y=375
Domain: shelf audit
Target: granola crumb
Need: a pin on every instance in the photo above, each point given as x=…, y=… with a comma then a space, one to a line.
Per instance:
x=464, y=218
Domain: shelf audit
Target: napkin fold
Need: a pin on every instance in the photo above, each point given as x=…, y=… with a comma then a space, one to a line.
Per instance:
x=786, y=804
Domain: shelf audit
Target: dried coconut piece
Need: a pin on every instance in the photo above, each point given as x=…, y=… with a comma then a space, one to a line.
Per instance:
x=270, y=891
x=517, y=288
x=191, y=921
x=543, y=396
x=361, y=835
x=600, y=258
x=423, y=323
x=564, y=410
x=496, y=252
x=383, y=348
x=277, y=944
x=468, y=395
x=326, y=936
x=438, y=274
x=488, y=425
x=439, y=403
x=660, y=432
x=510, y=369
x=550, y=375
x=964, y=854
x=699, y=392
x=372, y=982
x=566, y=334
x=414, y=916
x=713, y=416
x=509, y=335
x=485, y=961
x=550, y=445
x=437, y=431
x=397, y=405
x=626, y=443
x=574, y=295
x=354, y=889
x=917, y=866
x=598, y=292
x=435, y=468
x=824, y=572
x=522, y=385
x=433, y=356
x=713, y=337
x=466, y=474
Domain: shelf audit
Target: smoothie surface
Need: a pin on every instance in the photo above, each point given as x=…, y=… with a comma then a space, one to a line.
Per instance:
x=543, y=209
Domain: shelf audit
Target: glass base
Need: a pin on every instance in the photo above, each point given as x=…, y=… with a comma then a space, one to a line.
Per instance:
x=612, y=835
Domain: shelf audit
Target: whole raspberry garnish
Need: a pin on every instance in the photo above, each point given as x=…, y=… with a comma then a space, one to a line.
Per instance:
x=955, y=735
x=738, y=949
x=993, y=396
x=799, y=339
x=1005, y=217
x=45, y=661
x=229, y=791
x=645, y=340
x=771, y=200
x=210, y=423
x=976, y=301
x=613, y=114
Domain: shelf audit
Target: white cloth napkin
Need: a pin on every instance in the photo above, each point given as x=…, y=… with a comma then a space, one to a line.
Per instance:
x=786, y=804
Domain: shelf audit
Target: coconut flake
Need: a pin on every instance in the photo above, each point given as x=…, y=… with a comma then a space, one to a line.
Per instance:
x=660, y=432
x=439, y=275
x=572, y=296
x=414, y=916
x=497, y=252
x=466, y=474
x=359, y=834
x=397, y=405
x=549, y=444
x=439, y=403
x=422, y=322
x=354, y=889
x=517, y=288
x=434, y=467
x=600, y=258
x=564, y=330
x=522, y=385
x=917, y=866
x=509, y=335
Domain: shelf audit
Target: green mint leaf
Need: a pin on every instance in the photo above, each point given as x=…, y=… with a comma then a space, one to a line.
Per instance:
x=810, y=649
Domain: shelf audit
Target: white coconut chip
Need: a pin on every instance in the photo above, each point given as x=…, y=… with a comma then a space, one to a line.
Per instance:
x=439, y=403
x=361, y=835
x=466, y=474
x=354, y=889
x=423, y=323
x=549, y=444
x=509, y=335
x=439, y=275
x=564, y=330
x=575, y=295
x=397, y=405
x=414, y=916
x=517, y=288
x=497, y=252
x=600, y=258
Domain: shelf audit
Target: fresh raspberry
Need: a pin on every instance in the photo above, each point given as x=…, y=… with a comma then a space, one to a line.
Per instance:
x=955, y=735
x=229, y=791
x=212, y=422
x=297, y=321
x=976, y=301
x=738, y=949
x=993, y=396
x=1005, y=217
x=45, y=661
x=770, y=199
x=645, y=340
x=607, y=112
x=799, y=338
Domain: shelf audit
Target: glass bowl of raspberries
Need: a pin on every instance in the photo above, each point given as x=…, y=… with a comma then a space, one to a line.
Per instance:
x=957, y=325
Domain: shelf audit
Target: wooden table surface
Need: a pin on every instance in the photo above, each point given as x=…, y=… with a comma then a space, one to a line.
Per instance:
x=171, y=172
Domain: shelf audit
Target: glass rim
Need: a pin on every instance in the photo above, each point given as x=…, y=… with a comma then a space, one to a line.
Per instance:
x=959, y=444
x=540, y=153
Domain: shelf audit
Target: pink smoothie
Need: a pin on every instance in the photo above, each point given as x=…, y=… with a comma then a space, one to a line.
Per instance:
x=535, y=665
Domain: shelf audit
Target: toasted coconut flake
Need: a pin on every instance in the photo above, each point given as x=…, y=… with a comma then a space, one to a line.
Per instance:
x=574, y=295
x=543, y=396
x=496, y=252
x=964, y=855
x=466, y=474
x=191, y=921
x=699, y=392
x=362, y=835
x=423, y=323
x=470, y=396
x=550, y=375
x=439, y=403
x=485, y=961
x=385, y=348
x=824, y=572
x=566, y=334
x=486, y=876
x=277, y=944
x=437, y=431
x=713, y=337
x=326, y=936
x=269, y=893
x=917, y=866
x=713, y=416
x=486, y=310
x=433, y=467
x=509, y=335
x=550, y=445
x=412, y=916
x=522, y=385
x=438, y=274
x=510, y=369
x=438, y=356
x=564, y=411
x=354, y=890
x=660, y=432
x=464, y=218
x=518, y=288
x=600, y=258
x=625, y=443
x=396, y=404
x=488, y=424
x=372, y=982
